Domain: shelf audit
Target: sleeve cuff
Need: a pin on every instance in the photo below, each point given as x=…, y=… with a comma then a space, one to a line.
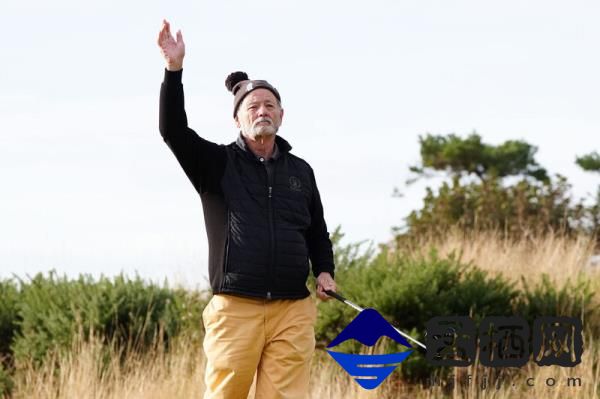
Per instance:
x=330, y=271
x=172, y=77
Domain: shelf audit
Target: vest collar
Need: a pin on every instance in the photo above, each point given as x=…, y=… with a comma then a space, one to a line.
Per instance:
x=281, y=146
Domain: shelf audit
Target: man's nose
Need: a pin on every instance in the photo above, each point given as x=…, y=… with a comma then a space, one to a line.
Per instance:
x=262, y=110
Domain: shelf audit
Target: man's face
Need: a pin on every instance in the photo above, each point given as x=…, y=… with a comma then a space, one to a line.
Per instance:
x=259, y=114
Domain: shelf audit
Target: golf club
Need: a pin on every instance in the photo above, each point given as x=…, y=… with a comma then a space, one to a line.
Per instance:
x=340, y=298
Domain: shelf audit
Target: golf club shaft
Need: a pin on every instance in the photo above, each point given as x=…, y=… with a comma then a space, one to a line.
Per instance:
x=344, y=300
x=340, y=298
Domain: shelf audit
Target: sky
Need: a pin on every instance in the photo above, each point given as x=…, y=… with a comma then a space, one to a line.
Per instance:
x=89, y=186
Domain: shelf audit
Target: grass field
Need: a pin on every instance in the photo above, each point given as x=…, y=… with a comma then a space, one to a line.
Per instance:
x=88, y=372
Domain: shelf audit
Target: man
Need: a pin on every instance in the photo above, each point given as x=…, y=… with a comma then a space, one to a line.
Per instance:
x=264, y=221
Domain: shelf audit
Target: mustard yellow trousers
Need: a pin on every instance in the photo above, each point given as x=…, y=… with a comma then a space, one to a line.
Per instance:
x=274, y=339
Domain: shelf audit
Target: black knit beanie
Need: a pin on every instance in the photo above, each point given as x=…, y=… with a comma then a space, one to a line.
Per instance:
x=240, y=85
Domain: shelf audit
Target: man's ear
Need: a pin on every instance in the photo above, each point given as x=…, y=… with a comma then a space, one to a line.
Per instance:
x=281, y=116
x=237, y=121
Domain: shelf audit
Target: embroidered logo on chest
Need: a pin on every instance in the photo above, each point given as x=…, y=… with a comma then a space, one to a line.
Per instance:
x=295, y=184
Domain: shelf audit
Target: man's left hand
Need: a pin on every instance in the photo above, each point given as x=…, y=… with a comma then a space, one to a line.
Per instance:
x=325, y=282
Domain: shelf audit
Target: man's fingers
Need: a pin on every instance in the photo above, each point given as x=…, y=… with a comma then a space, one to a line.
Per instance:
x=321, y=291
x=162, y=35
x=321, y=294
x=165, y=37
x=328, y=285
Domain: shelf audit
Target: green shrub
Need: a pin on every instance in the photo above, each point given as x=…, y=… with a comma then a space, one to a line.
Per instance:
x=188, y=306
x=518, y=210
x=131, y=314
x=6, y=384
x=410, y=291
x=9, y=319
x=573, y=299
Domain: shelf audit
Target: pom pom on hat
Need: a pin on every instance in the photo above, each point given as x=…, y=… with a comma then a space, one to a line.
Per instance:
x=235, y=78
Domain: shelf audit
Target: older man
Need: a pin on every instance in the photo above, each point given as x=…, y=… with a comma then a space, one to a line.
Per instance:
x=264, y=221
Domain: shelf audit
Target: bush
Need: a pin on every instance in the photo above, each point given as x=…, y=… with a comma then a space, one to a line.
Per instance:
x=409, y=291
x=517, y=210
x=9, y=319
x=573, y=299
x=131, y=314
x=6, y=384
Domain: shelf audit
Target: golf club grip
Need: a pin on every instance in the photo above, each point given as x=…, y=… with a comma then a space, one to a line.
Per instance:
x=335, y=295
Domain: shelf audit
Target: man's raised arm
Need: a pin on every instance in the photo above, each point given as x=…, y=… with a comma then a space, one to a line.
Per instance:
x=201, y=160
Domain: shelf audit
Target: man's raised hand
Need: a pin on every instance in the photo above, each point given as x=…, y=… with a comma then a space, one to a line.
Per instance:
x=173, y=50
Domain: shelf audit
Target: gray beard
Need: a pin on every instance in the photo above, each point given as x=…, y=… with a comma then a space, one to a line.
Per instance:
x=257, y=131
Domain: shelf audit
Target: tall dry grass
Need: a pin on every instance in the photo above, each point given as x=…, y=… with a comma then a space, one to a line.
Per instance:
x=329, y=382
x=178, y=374
x=556, y=255
x=93, y=370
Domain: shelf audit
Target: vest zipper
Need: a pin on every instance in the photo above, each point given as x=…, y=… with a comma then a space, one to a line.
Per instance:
x=272, y=244
x=227, y=239
x=271, y=231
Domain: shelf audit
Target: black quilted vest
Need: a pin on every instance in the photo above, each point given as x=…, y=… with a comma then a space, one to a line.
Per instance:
x=268, y=215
